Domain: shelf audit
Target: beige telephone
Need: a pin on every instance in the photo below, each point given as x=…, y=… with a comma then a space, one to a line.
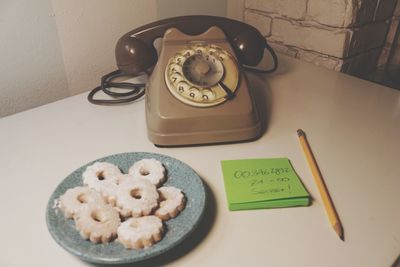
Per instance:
x=197, y=92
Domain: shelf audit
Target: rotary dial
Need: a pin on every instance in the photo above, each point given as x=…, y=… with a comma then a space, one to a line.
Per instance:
x=202, y=75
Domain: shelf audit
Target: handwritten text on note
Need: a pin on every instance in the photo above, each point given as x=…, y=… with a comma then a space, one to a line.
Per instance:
x=262, y=183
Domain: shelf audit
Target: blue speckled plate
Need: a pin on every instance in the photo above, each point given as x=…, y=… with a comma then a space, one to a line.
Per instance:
x=179, y=175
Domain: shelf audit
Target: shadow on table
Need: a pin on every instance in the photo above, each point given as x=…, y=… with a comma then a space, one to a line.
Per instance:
x=263, y=98
x=262, y=91
x=190, y=243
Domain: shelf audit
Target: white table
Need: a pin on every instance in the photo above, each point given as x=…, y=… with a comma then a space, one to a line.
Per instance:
x=352, y=125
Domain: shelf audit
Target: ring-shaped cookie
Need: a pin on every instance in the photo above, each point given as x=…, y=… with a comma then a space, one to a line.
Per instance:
x=75, y=198
x=136, y=197
x=142, y=232
x=112, y=190
x=98, y=223
x=102, y=176
x=171, y=204
x=150, y=169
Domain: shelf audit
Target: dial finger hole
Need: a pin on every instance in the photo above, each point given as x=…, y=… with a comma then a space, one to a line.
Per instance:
x=182, y=87
x=212, y=51
x=200, y=50
x=208, y=95
x=175, y=68
x=179, y=59
x=223, y=56
x=188, y=52
x=194, y=93
x=176, y=78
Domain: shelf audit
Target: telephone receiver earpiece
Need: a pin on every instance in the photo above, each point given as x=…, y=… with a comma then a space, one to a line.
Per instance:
x=134, y=56
x=248, y=47
x=135, y=52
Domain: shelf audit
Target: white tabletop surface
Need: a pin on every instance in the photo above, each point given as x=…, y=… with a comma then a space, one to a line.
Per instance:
x=352, y=125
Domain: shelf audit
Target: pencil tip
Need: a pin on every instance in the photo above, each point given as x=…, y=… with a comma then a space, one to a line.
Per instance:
x=339, y=231
x=300, y=132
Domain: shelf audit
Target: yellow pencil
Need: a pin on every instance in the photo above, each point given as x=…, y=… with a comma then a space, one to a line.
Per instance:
x=326, y=199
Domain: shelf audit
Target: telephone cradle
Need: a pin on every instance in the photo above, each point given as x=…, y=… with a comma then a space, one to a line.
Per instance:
x=197, y=92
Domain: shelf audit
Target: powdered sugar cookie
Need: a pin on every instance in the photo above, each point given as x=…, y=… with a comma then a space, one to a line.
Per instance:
x=136, y=197
x=150, y=169
x=102, y=176
x=98, y=223
x=172, y=202
x=75, y=198
x=112, y=190
x=140, y=232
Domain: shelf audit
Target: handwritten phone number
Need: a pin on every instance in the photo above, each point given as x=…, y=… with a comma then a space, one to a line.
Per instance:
x=244, y=174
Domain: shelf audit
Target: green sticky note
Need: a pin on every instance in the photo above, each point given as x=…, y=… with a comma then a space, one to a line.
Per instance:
x=262, y=183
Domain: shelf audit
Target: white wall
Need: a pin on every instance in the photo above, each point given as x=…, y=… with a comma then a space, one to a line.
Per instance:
x=88, y=31
x=172, y=8
x=31, y=68
x=51, y=49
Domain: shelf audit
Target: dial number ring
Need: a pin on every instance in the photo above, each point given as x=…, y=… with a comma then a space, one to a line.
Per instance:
x=194, y=75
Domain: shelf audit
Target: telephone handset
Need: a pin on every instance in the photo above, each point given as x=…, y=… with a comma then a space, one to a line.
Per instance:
x=135, y=52
x=196, y=93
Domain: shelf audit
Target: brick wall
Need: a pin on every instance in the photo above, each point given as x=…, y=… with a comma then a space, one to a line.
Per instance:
x=342, y=35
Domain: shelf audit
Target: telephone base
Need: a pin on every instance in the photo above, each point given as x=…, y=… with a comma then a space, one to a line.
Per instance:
x=174, y=119
x=205, y=138
x=207, y=144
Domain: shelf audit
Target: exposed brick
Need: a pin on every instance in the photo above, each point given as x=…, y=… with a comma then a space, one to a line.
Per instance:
x=325, y=61
x=341, y=35
x=330, y=42
x=357, y=65
x=261, y=22
x=341, y=13
x=288, y=50
x=338, y=13
x=295, y=9
x=328, y=62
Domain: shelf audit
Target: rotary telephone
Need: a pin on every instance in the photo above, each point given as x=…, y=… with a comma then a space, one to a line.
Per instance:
x=197, y=92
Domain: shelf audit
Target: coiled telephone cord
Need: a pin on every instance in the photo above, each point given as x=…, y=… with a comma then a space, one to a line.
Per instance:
x=135, y=90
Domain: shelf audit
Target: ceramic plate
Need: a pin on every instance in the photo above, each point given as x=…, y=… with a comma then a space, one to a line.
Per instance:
x=179, y=175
